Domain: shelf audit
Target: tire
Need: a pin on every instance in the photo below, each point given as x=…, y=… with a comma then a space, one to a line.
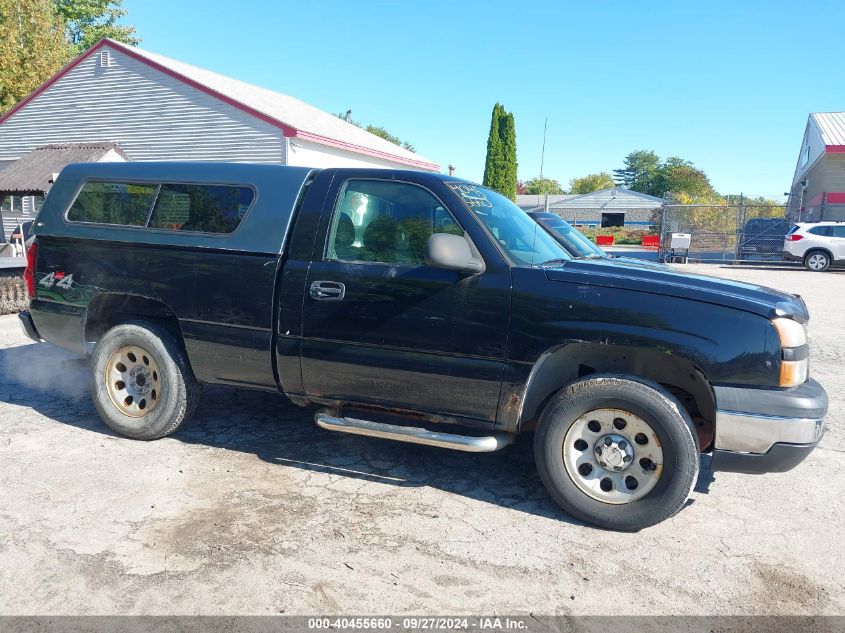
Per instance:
x=662, y=471
x=141, y=382
x=816, y=261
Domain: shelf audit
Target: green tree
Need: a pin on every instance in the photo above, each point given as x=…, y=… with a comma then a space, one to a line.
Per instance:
x=494, y=159
x=89, y=21
x=592, y=182
x=387, y=136
x=32, y=47
x=679, y=176
x=644, y=172
x=640, y=171
x=500, y=166
x=377, y=130
x=541, y=185
x=508, y=132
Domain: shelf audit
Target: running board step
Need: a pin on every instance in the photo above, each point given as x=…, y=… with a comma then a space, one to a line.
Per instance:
x=414, y=435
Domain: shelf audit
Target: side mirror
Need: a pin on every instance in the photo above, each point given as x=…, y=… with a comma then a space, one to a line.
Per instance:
x=452, y=252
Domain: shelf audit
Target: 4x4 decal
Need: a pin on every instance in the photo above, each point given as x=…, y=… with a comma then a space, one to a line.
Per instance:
x=59, y=279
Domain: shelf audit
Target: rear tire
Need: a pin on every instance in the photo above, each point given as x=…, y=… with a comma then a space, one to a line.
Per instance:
x=817, y=261
x=141, y=382
x=617, y=452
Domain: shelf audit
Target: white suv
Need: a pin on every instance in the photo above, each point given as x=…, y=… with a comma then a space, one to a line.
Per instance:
x=817, y=244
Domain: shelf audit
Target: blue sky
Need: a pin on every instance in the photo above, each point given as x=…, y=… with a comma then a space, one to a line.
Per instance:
x=727, y=85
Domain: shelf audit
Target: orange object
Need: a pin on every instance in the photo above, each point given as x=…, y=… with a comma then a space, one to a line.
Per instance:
x=604, y=240
x=651, y=241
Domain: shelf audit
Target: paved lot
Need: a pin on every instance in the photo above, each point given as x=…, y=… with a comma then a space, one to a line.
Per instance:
x=252, y=509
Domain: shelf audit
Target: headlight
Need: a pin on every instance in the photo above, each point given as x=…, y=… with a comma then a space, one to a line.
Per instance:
x=795, y=358
x=791, y=333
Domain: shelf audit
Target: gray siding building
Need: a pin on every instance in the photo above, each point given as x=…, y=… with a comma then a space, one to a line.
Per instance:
x=818, y=186
x=156, y=108
x=608, y=207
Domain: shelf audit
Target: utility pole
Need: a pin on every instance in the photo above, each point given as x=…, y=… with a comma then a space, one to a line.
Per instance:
x=543, y=151
x=543, y=160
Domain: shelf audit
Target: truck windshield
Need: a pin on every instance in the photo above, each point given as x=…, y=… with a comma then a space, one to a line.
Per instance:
x=525, y=242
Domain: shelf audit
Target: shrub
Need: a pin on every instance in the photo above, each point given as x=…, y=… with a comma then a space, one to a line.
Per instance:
x=621, y=234
x=13, y=297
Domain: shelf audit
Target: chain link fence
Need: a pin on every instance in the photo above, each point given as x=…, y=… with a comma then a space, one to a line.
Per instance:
x=727, y=232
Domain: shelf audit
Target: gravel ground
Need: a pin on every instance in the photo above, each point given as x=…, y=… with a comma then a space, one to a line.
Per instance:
x=253, y=510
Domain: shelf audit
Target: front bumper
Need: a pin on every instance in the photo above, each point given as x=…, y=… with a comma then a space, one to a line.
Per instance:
x=28, y=326
x=767, y=430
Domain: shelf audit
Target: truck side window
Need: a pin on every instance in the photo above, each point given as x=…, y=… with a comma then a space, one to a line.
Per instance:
x=387, y=222
x=203, y=208
x=113, y=203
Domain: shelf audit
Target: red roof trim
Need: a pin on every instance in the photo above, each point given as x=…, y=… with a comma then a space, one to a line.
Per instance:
x=359, y=149
x=834, y=149
x=286, y=129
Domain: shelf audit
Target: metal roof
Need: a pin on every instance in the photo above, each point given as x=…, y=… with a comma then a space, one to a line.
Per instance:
x=609, y=199
x=32, y=174
x=530, y=201
x=831, y=125
x=296, y=118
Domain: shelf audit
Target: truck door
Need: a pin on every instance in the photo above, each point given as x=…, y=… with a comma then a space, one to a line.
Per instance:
x=379, y=325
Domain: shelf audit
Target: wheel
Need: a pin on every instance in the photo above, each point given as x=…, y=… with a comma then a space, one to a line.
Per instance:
x=142, y=384
x=816, y=261
x=617, y=452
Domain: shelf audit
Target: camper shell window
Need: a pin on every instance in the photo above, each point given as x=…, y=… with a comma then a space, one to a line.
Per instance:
x=198, y=208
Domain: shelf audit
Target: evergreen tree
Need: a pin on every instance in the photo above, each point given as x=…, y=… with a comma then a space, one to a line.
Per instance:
x=640, y=171
x=32, y=47
x=500, y=166
x=493, y=163
x=507, y=129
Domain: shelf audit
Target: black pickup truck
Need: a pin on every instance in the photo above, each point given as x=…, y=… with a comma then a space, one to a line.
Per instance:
x=421, y=308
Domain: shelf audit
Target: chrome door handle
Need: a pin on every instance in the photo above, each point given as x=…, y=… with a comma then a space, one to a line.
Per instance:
x=327, y=290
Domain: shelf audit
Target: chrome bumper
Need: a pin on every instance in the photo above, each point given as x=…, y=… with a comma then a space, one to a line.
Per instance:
x=767, y=430
x=756, y=433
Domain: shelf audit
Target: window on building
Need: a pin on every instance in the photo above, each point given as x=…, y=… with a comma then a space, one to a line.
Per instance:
x=386, y=222
x=202, y=208
x=805, y=154
x=13, y=204
x=612, y=219
x=113, y=203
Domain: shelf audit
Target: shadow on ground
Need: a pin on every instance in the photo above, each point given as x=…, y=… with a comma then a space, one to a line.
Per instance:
x=47, y=379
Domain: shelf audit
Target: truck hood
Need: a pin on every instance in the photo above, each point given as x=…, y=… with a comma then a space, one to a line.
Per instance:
x=642, y=277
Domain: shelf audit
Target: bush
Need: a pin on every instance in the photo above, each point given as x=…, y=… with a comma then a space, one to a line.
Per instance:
x=13, y=297
x=621, y=234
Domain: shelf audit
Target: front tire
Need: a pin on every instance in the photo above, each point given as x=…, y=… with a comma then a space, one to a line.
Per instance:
x=141, y=382
x=816, y=261
x=617, y=452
